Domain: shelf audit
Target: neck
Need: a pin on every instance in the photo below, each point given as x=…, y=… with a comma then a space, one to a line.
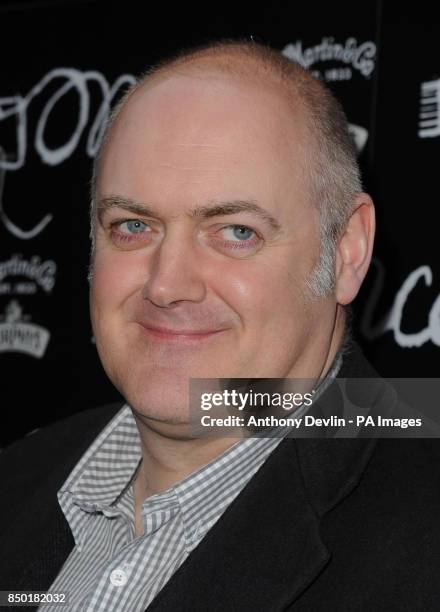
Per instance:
x=167, y=460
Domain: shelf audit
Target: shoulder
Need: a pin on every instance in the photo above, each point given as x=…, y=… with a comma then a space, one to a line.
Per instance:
x=388, y=531
x=63, y=442
x=406, y=465
x=397, y=501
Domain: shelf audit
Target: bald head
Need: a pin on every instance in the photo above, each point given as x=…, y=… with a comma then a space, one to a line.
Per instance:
x=328, y=163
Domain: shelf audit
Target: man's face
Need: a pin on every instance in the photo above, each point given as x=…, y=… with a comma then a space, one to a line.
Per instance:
x=184, y=286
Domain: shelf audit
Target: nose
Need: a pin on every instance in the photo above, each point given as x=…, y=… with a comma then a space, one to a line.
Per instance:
x=174, y=274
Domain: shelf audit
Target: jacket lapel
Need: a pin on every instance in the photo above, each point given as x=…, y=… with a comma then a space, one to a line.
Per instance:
x=261, y=554
x=46, y=548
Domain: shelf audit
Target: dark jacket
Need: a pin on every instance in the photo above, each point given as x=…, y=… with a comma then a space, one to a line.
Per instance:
x=324, y=525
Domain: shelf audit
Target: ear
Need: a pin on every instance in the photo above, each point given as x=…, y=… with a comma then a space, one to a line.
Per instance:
x=353, y=254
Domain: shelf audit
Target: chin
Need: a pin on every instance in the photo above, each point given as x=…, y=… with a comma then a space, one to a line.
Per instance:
x=158, y=397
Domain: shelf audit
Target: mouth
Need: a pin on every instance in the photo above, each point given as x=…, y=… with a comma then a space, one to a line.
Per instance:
x=185, y=335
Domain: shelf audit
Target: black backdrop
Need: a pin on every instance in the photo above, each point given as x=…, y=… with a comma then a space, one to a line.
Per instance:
x=64, y=63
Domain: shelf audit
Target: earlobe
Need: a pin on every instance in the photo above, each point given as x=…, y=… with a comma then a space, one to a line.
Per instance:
x=354, y=250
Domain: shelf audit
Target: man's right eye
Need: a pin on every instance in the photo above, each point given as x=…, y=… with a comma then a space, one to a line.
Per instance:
x=133, y=226
x=129, y=231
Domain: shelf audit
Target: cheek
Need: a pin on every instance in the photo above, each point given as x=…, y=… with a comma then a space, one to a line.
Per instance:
x=115, y=277
x=260, y=293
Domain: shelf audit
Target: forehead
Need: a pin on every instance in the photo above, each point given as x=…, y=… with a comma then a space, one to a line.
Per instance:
x=213, y=100
x=204, y=129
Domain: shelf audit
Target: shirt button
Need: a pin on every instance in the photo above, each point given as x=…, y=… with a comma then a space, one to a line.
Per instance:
x=118, y=577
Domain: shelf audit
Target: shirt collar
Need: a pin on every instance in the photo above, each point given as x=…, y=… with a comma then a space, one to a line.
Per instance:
x=107, y=468
x=102, y=474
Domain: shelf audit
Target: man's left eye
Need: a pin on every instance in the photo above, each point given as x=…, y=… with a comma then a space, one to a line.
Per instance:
x=238, y=232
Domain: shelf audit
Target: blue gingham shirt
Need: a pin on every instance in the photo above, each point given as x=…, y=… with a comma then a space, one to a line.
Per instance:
x=111, y=569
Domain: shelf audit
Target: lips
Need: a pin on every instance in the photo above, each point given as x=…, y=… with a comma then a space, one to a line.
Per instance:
x=166, y=333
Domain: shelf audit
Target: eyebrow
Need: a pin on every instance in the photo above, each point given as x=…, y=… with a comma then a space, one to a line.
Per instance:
x=215, y=209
